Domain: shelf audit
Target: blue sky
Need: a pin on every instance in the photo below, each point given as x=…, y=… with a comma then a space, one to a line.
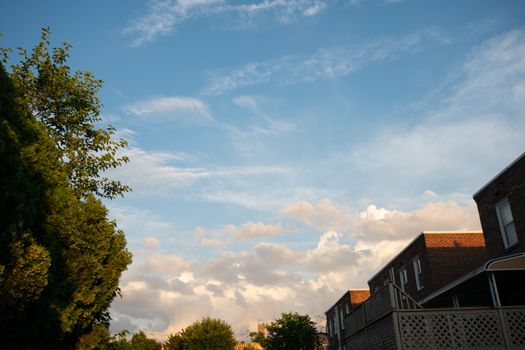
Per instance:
x=282, y=151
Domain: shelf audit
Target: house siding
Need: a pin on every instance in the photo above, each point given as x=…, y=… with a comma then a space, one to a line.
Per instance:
x=509, y=184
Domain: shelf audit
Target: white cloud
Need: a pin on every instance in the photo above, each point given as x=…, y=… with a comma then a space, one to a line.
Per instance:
x=187, y=108
x=477, y=121
x=250, y=230
x=166, y=292
x=391, y=2
x=153, y=173
x=377, y=224
x=165, y=15
x=151, y=242
x=231, y=233
x=325, y=63
x=324, y=214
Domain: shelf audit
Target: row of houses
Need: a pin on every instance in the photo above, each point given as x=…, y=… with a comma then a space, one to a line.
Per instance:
x=447, y=290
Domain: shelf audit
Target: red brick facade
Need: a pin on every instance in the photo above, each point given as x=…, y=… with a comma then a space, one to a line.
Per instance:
x=510, y=185
x=443, y=257
x=336, y=314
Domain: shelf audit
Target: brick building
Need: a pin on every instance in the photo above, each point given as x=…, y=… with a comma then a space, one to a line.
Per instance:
x=442, y=272
x=500, y=280
x=432, y=260
x=501, y=207
x=335, y=327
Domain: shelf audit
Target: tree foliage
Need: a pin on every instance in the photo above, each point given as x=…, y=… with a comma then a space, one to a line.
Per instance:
x=67, y=103
x=292, y=332
x=258, y=337
x=207, y=334
x=60, y=256
x=174, y=342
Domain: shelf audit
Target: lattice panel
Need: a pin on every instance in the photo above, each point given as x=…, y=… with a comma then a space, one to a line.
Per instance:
x=475, y=330
x=515, y=320
x=357, y=341
x=425, y=331
x=388, y=335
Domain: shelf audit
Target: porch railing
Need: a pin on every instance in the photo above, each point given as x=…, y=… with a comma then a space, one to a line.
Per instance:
x=392, y=320
x=385, y=301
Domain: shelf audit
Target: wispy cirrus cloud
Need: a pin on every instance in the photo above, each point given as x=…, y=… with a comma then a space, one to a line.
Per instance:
x=187, y=108
x=164, y=16
x=159, y=173
x=477, y=119
x=251, y=103
x=325, y=63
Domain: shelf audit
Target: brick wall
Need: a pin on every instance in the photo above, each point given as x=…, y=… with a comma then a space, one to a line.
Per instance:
x=348, y=301
x=509, y=184
x=357, y=297
x=451, y=256
x=444, y=257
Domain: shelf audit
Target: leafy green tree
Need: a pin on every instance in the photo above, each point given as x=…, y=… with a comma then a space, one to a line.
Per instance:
x=97, y=339
x=140, y=341
x=208, y=334
x=67, y=103
x=258, y=337
x=119, y=341
x=60, y=256
x=250, y=347
x=292, y=332
x=174, y=342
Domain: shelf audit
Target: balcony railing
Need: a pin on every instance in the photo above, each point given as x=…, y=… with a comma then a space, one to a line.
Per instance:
x=388, y=299
x=392, y=320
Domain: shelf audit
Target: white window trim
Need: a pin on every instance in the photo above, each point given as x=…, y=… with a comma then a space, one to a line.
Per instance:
x=418, y=272
x=502, y=226
x=403, y=278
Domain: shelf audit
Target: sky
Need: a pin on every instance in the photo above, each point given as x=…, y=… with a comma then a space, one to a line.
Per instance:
x=283, y=151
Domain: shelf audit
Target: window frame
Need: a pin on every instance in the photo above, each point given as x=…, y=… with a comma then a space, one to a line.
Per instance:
x=403, y=277
x=418, y=272
x=505, y=236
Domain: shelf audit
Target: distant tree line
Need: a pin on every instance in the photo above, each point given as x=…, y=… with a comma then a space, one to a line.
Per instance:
x=291, y=331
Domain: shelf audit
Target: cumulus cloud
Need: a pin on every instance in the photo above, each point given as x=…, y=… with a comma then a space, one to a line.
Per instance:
x=151, y=242
x=250, y=230
x=231, y=233
x=164, y=16
x=186, y=108
x=325, y=63
x=324, y=214
x=269, y=279
x=377, y=224
x=170, y=291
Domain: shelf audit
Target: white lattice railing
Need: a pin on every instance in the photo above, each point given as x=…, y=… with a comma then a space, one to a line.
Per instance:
x=479, y=328
x=444, y=329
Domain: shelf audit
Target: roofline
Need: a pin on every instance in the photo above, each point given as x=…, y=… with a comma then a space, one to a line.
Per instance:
x=349, y=291
x=451, y=232
x=499, y=174
x=412, y=241
x=467, y=276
